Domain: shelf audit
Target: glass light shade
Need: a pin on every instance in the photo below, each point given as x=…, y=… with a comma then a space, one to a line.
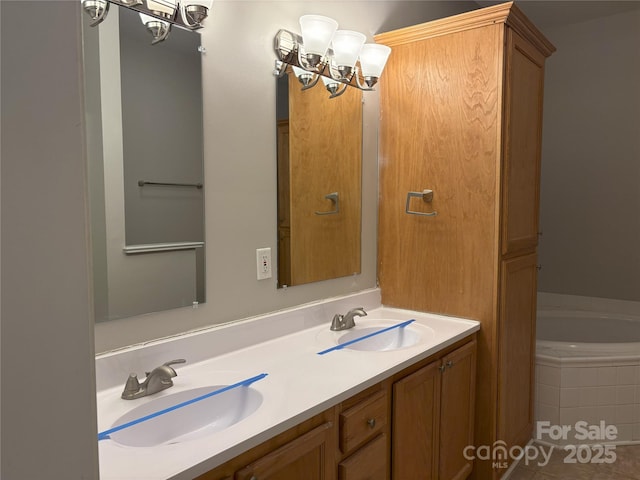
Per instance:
x=373, y=58
x=317, y=32
x=205, y=3
x=162, y=7
x=346, y=47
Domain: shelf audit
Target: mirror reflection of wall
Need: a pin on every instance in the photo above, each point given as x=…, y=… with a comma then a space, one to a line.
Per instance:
x=144, y=123
x=319, y=182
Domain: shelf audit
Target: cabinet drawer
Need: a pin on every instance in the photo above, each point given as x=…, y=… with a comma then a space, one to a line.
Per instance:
x=368, y=463
x=363, y=421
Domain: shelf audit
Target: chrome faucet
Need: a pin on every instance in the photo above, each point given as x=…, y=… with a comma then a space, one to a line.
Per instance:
x=346, y=321
x=158, y=379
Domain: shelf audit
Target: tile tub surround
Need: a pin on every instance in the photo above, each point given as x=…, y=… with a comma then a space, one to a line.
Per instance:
x=606, y=392
x=300, y=383
x=599, y=388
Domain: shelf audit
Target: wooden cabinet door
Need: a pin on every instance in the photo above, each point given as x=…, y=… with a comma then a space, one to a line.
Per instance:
x=308, y=457
x=457, y=412
x=522, y=129
x=368, y=463
x=517, y=349
x=415, y=424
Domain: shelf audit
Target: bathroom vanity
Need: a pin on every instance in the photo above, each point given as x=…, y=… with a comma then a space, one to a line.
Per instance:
x=418, y=420
x=326, y=408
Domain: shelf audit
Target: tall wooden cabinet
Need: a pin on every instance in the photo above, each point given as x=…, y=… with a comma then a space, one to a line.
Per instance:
x=461, y=115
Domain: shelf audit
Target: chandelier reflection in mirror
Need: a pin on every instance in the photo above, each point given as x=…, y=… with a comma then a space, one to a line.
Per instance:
x=156, y=15
x=340, y=57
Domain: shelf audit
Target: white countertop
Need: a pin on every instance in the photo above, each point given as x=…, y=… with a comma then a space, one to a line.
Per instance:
x=300, y=384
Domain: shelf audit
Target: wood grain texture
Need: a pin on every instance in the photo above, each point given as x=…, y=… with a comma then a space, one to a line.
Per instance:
x=309, y=457
x=363, y=421
x=368, y=463
x=522, y=145
x=517, y=350
x=461, y=103
x=284, y=205
x=416, y=424
x=441, y=107
x=440, y=111
x=325, y=156
x=311, y=439
x=457, y=412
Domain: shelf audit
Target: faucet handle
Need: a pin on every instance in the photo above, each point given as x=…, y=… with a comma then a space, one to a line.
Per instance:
x=131, y=387
x=337, y=322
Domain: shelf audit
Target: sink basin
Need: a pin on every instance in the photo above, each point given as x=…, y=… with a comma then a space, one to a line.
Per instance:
x=195, y=420
x=382, y=335
x=389, y=340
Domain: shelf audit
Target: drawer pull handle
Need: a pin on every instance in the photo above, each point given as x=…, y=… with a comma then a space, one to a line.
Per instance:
x=371, y=422
x=449, y=364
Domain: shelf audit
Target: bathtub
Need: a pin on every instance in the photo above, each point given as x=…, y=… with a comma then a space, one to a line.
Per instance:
x=587, y=377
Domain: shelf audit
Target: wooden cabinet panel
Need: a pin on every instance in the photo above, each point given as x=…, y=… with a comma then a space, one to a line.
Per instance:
x=439, y=109
x=363, y=421
x=517, y=349
x=461, y=114
x=457, y=412
x=368, y=463
x=415, y=425
x=522, y=143
x=307, y=457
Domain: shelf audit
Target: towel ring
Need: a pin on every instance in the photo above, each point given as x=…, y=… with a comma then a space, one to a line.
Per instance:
x=427, y=197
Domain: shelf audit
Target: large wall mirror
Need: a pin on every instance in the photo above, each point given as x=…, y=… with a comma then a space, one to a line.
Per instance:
x=145, y=151
x=319, y=143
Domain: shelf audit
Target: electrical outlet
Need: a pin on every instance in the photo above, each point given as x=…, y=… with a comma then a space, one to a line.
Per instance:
x=263, y=263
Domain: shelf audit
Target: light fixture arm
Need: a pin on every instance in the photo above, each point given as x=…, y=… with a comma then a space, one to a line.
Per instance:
x=159, y=30
x=97, y=10
x=338, y=91
x=364, y=87
x=193, y=15
x=312, y=83
x=190, y=16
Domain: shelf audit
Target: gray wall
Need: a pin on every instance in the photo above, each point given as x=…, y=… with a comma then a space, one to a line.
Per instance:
x=48, y=379
x=240, y=162
x=590, y=192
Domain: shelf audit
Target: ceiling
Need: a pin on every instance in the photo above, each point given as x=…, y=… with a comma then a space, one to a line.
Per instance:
x=550, y=13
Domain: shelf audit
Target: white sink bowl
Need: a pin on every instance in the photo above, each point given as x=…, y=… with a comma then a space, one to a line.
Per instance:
x=392, y=339
x=192, y=421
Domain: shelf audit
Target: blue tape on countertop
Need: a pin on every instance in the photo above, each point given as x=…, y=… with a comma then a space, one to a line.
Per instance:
x=364, y=337
x=244, y=383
